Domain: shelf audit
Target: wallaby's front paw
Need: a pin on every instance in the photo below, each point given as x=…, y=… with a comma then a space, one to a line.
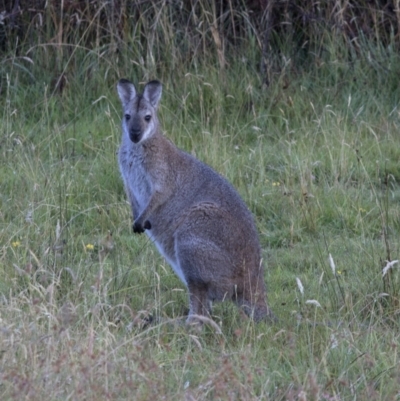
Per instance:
x=138, y=228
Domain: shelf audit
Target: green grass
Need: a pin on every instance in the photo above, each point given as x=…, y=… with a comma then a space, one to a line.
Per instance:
x=316, y=158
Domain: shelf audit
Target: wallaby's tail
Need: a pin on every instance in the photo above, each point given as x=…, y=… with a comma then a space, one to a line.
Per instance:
x=259, y=311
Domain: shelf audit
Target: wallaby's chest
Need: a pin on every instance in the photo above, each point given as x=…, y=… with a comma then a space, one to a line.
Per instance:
x=135, y=175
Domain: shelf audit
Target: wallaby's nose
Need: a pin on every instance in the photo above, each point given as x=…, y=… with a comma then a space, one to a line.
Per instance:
x=135, y=135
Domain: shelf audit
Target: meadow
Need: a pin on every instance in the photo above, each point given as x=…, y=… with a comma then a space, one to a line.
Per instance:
x=90, y=311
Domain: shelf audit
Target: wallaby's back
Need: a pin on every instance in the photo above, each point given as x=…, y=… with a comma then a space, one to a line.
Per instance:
x=195, y=217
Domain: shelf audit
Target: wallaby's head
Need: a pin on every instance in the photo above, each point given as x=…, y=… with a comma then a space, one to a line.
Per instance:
x=140, y=110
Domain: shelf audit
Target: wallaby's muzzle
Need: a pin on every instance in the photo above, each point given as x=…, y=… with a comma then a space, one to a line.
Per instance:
x=135, y=135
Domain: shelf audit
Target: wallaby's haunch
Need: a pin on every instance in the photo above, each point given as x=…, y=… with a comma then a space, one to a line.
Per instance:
x=194, y=216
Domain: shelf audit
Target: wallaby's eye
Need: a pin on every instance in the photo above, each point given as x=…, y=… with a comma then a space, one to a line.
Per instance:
x=148, y=117
x=127, y=117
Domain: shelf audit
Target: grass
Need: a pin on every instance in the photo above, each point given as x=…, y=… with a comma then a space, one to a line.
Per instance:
x=86, y=314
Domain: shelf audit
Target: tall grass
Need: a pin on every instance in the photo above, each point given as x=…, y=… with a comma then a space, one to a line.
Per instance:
x=90, y=311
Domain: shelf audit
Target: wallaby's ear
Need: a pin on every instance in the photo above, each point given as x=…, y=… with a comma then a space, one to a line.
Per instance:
x=152, y=92
x=126, y=91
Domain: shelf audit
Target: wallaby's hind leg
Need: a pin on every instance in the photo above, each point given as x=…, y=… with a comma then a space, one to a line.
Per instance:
x=198, y=301
x=193, y=262
x=221, y=263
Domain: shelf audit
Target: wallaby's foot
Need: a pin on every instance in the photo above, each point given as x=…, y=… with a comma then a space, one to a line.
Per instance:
x=194, y=324
x=139, y=229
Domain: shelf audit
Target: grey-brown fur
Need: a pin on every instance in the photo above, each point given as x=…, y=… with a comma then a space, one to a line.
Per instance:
x=195, y=217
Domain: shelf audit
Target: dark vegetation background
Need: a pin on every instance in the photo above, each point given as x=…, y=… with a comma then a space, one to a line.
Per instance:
x=192, y=30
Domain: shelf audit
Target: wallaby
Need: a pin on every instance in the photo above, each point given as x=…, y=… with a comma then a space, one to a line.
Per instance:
x=195, y=217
